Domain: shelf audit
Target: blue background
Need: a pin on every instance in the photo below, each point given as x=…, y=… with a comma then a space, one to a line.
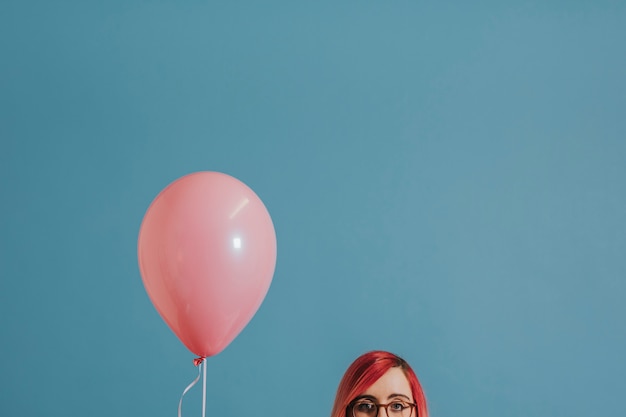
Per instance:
x=446, y=179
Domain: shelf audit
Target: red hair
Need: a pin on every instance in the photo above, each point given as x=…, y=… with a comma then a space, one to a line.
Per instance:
x=365, y=371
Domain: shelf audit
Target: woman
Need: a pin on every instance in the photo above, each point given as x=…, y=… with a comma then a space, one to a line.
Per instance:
x=379, y=380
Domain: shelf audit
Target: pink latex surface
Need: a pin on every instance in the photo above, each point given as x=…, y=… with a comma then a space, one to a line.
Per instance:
x=207, y=253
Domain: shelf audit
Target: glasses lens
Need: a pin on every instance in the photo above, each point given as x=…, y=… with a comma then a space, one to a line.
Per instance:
x=364, y=409
x=399, y=409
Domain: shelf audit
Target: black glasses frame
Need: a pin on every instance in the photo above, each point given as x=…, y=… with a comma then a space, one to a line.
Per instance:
x=379, y=406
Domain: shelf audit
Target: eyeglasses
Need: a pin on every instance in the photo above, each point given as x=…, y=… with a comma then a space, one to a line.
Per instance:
x=368, y=408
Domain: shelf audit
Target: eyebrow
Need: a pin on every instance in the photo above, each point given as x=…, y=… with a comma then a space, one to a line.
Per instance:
x=399, y=395
x=371, y=397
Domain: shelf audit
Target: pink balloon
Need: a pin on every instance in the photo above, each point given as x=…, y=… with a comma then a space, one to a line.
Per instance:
x=207, y=253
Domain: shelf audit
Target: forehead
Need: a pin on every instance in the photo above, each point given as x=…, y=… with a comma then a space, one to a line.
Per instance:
x=394, y=381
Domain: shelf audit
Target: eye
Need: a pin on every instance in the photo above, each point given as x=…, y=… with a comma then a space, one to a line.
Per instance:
x=398, y=406
x=365, y=407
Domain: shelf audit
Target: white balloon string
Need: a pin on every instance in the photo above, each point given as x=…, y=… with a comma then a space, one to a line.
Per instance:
x=203, y=388
x=190, y=386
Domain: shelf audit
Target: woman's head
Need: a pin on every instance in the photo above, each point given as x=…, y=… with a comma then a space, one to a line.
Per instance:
x=379, y=377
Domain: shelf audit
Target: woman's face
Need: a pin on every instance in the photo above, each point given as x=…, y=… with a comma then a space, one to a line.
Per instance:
x=391, y=391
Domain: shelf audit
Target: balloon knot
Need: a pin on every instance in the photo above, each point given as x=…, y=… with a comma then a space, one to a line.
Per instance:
x=198, y=361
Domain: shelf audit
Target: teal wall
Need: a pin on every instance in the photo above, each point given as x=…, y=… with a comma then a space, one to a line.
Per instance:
x=447, y=181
